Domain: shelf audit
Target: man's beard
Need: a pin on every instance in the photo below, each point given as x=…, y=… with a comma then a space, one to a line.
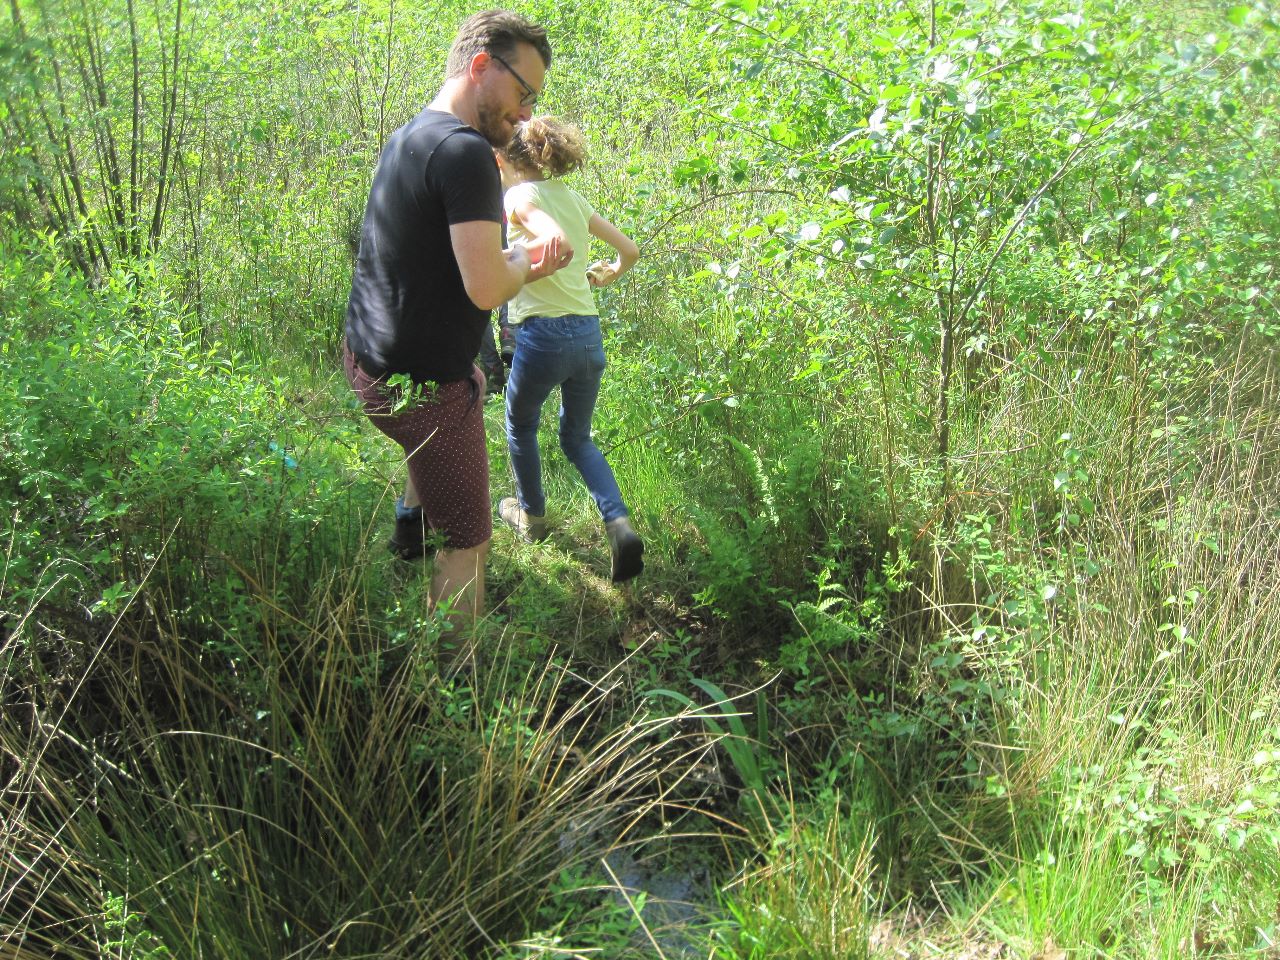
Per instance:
x=493, y=126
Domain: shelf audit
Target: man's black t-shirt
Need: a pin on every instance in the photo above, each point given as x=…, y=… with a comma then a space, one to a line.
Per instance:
x=408, y=311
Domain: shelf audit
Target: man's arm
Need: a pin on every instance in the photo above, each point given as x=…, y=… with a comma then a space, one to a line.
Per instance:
x=491, y=275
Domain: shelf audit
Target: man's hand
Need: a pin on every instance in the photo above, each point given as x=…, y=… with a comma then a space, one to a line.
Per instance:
x=547, y=254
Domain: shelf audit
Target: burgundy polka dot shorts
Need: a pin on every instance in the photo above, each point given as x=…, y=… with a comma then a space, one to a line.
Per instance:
x=442, y=435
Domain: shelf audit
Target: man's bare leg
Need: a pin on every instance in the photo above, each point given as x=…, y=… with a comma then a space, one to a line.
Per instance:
x=459, y=578
x=458, y=581
x=410, y=493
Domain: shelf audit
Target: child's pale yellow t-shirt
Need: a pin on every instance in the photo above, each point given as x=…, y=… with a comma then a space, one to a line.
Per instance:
x=566, y=292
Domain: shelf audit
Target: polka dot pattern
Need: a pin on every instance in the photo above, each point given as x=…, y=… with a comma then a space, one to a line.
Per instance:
x=442, y=436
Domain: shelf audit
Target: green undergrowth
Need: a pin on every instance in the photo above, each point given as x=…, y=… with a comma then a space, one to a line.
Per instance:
x=944, y=398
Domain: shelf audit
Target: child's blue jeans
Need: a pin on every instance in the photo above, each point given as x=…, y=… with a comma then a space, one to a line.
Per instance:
x=564, y=352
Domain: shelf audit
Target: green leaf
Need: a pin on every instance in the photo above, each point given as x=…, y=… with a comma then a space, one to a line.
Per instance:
x=814, y=367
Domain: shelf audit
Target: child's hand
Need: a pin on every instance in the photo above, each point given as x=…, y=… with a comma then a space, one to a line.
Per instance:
x=601, y=273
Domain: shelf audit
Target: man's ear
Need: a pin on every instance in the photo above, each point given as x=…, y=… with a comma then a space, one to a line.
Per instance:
x=479, y=64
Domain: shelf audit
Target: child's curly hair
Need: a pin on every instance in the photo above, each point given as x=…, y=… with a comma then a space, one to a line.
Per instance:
x=549, y=145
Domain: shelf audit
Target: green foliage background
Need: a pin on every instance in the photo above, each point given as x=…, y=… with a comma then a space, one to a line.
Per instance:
x=945, y=397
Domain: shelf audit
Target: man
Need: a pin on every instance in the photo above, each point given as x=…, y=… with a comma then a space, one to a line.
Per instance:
x=430, y=268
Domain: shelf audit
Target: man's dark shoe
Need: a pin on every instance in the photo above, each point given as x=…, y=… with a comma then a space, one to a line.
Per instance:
x=408, y=539
x=627, y=549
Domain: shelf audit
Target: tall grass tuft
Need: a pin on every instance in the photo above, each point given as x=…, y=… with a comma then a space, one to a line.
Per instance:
x=358, y=805
x=811, y=899
x=217, y=736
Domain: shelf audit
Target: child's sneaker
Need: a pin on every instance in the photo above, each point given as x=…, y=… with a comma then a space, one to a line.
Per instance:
x=526, y=525
x=627, y=549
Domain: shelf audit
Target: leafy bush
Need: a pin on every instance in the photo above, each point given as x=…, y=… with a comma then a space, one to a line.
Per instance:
x=136, y=453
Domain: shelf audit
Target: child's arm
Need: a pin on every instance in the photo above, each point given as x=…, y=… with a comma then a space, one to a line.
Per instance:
x=540, y=225
x=603, y=273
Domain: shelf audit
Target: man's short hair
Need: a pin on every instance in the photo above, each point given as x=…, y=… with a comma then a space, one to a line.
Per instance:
x=495, y=31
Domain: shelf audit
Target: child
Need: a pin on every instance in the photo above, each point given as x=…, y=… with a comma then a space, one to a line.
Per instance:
x=558, y=342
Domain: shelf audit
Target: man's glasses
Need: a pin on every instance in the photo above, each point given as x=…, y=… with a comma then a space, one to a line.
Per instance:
x=530, y=95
